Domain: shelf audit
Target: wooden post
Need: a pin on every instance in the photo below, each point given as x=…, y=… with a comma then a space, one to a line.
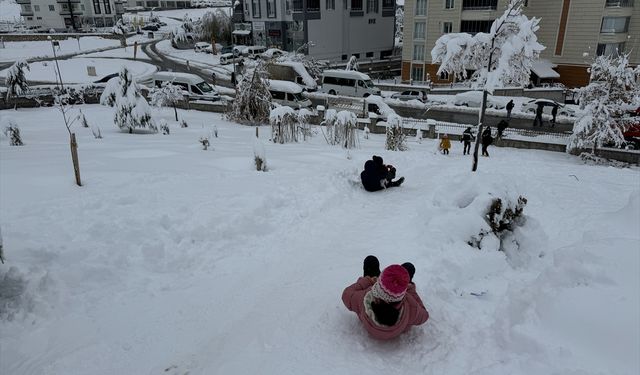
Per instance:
x=257, y=132
x=135, y=49
x=74, y=157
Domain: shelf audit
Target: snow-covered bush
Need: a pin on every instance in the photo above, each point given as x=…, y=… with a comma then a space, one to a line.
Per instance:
x=83, y=120
x=304, y=115
x=215, y=26
x=132, y=110
x=396, y=139
x=119, y=28
x=613, y=91
x=352, y=64
x=253, y=102
x=259, y=155
x=204, y=141
x=97, y=133
x=164, y=127
x=502, y=215
x=284, y=125
x=184, y=124
x=366, y=132
x=185, y=29
x=16, y=80
x=12, y=131
x=330, y=117
x=166, y=95
x=345, y=128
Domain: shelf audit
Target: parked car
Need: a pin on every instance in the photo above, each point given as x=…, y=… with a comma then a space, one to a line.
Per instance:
x=411, y=95
x=202, y=47
x=272, y=53
x=226, y=49
x=547, y=107
x=474, y=99
x=193, y=87
x=348, y=82
x=254, y=52
x=288, y=94
x=151, y=27
x=229, y=58
x=632, y=135
x=240, y=50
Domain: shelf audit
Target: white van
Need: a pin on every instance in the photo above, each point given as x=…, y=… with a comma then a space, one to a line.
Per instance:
x=254, y=52
x=192, y=86
x=348, y=82
x=229, y=58
x=288, y=94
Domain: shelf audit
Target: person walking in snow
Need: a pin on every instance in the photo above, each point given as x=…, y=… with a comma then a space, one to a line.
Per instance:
x=538, y=119
x=467, y=136
x=487, y=139
x=510, y=106
x=445, y=144
x=377, y=176
x=386, y=303
x=554, y=113
x=502, y=125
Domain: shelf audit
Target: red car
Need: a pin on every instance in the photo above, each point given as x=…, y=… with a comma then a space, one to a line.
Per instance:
x=632, y=135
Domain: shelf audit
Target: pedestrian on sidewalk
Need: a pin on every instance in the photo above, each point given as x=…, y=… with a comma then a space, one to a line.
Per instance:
x=510, y=106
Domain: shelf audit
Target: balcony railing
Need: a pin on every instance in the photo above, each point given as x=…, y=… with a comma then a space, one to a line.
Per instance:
x=619, y=3
x=76, y=12
x=298, y=6
x=23, y=1
x=68, y=1
x=480, y=5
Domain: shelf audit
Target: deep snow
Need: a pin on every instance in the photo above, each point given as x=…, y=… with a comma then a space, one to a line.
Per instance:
x=174, y=260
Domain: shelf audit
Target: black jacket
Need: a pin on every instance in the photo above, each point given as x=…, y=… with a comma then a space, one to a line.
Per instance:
x=374, y=172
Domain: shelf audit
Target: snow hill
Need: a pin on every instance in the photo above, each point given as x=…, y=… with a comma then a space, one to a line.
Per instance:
x=175, y=260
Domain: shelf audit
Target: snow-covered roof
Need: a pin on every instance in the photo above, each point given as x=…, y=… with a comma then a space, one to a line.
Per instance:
x=345, y=74
x=543, y=69
x=285, y=86
x=309, y=82
x=241, y=32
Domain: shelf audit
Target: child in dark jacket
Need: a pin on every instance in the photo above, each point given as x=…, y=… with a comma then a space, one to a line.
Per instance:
x=377, y=176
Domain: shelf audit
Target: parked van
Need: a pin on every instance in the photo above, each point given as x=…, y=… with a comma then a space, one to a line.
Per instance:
x=348, y=82
x=294, y=72
x=254, y=52
x=229, y=58
x=192, y=86
x=288, y=94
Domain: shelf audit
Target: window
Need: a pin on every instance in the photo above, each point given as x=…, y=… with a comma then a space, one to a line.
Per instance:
x=356, y=4
x=369, y=54
x=417, y=72
x=357, y=55
x=610, y=49
x=331, y=4
x=82, y=6
x=96, y=6
x=448, y=4
x=38, y=18
x=344, y=57
x=313, y=5
x=372, y=7
x=444, y=76
x=615, y=24
x=27, y=8
x=526, y=3
x=29, y=18
x=418, y=30
x=474, y=27
x=479, y=4
x=36, y=8
x=372, y=21
x=421, y=7
x=271, y=8
x=107, y=7
x=619, y=3
x=388, y=4
x=447, y=27
x=52, y=8
x=255, y=8
x=418, y=52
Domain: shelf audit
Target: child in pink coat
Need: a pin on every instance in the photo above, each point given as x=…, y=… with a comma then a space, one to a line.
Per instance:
x=388, y=304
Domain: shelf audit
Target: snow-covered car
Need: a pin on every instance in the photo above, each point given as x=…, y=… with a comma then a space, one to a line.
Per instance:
x=202, y=47
x=474, y=99
x=272, y=53
x=151, y=27
x=240, y=50
x=547, y=107
x=229, y=58
x=411, y=95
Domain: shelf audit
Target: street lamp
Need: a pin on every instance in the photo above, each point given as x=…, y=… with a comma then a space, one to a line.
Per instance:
x=54, y=44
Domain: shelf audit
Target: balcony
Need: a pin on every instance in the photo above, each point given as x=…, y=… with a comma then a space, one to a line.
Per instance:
x=68, y=1
x=619, y=4
x=66, y=12
x=23, y=1
x=480, y=5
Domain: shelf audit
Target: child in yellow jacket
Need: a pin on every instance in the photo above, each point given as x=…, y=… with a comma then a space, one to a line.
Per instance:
x=445, y=144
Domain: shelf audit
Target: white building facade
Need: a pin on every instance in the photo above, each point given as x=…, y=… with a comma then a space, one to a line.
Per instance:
x=63, y=15
x=325, y=29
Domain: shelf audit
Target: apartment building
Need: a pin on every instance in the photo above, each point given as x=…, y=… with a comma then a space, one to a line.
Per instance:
x=573, y=32
x=325, y=29
x=63, y=15
x=150, y=4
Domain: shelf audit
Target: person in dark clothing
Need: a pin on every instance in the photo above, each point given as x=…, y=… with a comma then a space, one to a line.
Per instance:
x=467, y=136
x=538, y=119
x=554, y=113
x=501, y=126
x=487, y=139
x=377, y=176
x=510, y=106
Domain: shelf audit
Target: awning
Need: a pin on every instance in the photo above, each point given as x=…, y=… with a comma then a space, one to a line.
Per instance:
x=544, y=69
x=241, y=32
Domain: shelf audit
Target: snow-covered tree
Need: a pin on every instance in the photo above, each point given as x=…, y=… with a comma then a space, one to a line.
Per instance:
x=330, y=117
x=119, y=28
x=284, y=124
x=164, y=127
x=396, y=139
x=16, y=80
x=166, y=95
x=132, y=109
x=259, y=155
x=352, y=64
x=501, y=57
x=64, y=100
x=10, y=129
x=215, y=26
x=253, y=102
x=399, y=22
x=606, y=101
x=185, y=29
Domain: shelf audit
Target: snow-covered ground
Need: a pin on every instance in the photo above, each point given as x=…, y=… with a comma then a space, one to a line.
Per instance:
x=26, y=50
x=75, y=70
x=174, y=260
x=125, y=53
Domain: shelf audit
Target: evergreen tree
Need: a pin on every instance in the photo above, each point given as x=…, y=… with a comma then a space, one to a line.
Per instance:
x=132, y=109
x=253, y=102
x=16, y=80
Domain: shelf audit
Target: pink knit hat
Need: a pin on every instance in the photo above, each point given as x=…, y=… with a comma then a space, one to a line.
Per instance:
x=392, y=284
